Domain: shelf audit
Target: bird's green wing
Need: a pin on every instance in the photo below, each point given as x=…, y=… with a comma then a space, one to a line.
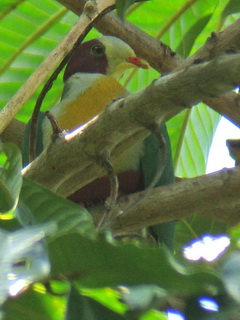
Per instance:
x=39, y=141
x=164, y=232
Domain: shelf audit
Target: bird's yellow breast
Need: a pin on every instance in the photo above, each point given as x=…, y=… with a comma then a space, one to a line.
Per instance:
x=84, y=97
x=89, y=103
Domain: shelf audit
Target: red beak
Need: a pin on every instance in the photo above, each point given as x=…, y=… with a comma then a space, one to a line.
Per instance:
x=138, y=62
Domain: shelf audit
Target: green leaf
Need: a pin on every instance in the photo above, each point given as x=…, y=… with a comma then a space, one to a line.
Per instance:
x=47, y=206
x=154, y=315
x=38, y=31
x=34, y=305
x=10, y=177
x=123, y=5
x=6, y=199
x=109, y=297
x=191, y=35
x=7, y=6
x=78, y=257
x=232, y=6
x=191, y=134
x=40, y=27
x=81, y=307
x=234, y=233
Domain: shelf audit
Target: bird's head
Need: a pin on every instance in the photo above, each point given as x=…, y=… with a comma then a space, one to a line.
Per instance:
x=106, y=55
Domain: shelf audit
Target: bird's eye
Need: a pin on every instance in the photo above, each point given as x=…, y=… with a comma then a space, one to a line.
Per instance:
x=97, y=50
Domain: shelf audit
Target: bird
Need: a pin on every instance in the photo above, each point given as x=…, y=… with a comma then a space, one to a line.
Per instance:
x=91, y=82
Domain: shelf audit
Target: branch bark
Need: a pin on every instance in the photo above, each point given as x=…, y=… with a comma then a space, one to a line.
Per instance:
x=14, y=132
x=159, y=102
x=215, y=196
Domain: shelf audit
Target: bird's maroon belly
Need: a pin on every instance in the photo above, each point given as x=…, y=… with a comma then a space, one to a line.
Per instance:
x=99, y=189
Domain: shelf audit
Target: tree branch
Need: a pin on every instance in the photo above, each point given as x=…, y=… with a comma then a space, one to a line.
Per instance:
x=14, y=132
x=227, y=105
x=160, y=101
x=215, y=196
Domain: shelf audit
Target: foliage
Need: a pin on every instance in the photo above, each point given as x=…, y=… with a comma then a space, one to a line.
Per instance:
x=112, y=280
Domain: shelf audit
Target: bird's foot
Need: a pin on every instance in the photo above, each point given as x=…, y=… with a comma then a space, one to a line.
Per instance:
x=57, y=132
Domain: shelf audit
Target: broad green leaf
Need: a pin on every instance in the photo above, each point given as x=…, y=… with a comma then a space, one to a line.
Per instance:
x=109, y=297
x=39, y=31
x=192, y=140
x=34, y=305
x=122, y=6
x=179, y=16
x=7, y=6
x=6, y=200
x=194, y=20
x=47, y=206
x=32, y=23
x=232, y=6
x=189, y=38
x=22, y=42
x=234, y=233
x=229, y=13
x=153, y=15
x=83, y=259
x=81, y=307
x=154, y=315
x=10, y=177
